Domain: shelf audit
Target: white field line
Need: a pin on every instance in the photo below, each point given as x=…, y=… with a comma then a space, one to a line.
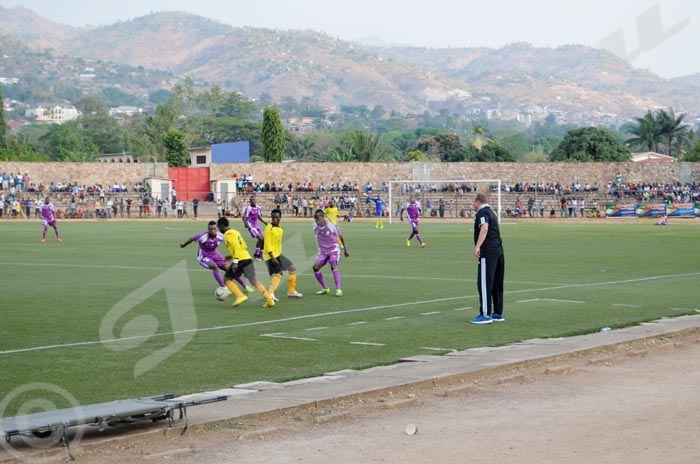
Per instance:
x=315, y=328
x=357, y=323
x=551, y=300
x=620, y=305
x=233, y=326
x=432, y=313
x=396, y=318
x=194, y=269
x=282, y=335
x=685, y=309
x=367, y=344
x=335, y=313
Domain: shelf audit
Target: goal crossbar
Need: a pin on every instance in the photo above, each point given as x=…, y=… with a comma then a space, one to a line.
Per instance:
x=392, y=183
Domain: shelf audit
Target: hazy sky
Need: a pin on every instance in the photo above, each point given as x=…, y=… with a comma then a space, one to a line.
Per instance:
x=657, y=35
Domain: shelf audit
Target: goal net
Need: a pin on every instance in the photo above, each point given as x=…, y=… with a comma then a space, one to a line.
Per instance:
x=443, y=198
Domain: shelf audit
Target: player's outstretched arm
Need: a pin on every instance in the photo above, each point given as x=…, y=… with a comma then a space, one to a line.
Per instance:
x=345, y=247
x=184, y=244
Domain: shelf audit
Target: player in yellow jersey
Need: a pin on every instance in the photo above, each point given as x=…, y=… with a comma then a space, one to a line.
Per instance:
x=331, y=212
x=241, y=264
x=275, y=260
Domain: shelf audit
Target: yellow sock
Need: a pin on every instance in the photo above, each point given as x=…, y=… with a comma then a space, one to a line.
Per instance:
x=234, y=289
x=263, y=292
x=275, y=282
x=380, y=222
x=292, y=277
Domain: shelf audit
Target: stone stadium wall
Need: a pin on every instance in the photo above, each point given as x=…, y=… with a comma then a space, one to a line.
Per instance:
x=361, y=173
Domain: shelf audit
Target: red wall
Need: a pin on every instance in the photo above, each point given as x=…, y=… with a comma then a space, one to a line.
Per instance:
x=190, y=183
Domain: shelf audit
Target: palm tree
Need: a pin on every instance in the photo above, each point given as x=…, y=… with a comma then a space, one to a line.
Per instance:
x=672, y=127
x=478, y=136
x=647, y=133
x=300, y=147
x=364, y=145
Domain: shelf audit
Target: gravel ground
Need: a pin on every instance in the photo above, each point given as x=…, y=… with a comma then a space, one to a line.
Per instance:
x=636, y=403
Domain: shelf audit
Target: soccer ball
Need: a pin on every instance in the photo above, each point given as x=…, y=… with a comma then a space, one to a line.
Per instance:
x=221, y=293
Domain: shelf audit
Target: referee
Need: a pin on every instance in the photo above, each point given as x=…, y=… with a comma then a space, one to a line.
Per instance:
x=488, y=250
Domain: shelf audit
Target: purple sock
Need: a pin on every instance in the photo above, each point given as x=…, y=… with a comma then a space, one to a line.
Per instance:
x=241, y=281
x=44, y=234
x=420, y=240
x=217, y=276
x=57, y=234
x=411, y=236
x=336, y=278
x=320, y=279
x=257, y=251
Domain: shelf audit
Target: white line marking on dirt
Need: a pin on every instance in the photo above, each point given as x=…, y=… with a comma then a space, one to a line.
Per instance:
x=438, y=349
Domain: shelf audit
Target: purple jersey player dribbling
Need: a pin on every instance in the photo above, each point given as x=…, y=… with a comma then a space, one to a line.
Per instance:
x=327, y=237
x=48, y=219
x=209, y=257
x=251, y=216
x=413, y=212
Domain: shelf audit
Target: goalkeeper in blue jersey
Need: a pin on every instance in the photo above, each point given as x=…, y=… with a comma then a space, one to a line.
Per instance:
x=379, y=206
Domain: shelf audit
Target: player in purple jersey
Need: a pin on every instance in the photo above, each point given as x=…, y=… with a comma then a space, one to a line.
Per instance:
x=251, y=216
x=413, y=212
x=327, y=237
x=48, y=218
x=208, y=256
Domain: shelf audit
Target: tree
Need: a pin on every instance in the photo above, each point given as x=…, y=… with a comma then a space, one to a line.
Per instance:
x=590, y=144
x=478, y=134
x=272, y=136
x=14, y=150
x=693, y=156
x=364, y=145
x=175, y=148
x=91, y=106
x=103, y=131
x=647, y=133
x=66, y=143
x=300, y=147
x=448, y=146
x=159, y=96
x=3, y=125
x=672, y=127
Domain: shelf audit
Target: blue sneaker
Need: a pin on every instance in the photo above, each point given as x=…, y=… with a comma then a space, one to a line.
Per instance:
x=498, y=317
x=481, y=320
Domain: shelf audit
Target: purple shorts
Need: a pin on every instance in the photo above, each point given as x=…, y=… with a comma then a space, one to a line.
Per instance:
x=216, y=259
x=49, y=223
x=414, y=224
x=256, y=232
x=332, y=258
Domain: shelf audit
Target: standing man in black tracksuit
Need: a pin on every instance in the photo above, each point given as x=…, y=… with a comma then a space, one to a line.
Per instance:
x=488, y=250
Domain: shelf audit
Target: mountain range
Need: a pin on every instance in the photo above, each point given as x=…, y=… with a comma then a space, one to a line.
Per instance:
x=334, y=72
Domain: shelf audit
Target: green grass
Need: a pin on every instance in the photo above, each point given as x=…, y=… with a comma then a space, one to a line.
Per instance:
x=607, y=273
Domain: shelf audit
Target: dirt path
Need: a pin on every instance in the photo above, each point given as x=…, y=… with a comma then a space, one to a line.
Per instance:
x=636, y=403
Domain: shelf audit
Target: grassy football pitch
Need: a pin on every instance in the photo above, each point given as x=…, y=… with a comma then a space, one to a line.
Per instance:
x=118, y=310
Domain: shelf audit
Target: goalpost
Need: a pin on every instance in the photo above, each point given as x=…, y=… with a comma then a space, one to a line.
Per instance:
x=401, y=190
